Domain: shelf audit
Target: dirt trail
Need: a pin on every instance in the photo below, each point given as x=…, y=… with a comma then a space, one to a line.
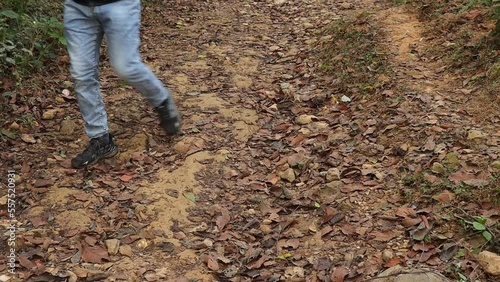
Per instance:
x=248, y=192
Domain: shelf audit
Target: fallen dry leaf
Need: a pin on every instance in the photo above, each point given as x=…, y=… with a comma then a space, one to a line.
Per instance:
x=94, y=254
x=339, y=274
x=223, y=219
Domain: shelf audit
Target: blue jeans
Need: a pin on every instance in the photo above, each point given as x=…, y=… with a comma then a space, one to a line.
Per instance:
x=84, y=28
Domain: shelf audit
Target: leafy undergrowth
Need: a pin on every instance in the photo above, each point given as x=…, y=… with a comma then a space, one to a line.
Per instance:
x=351, y=55
x=31, y=65
x=464, y=37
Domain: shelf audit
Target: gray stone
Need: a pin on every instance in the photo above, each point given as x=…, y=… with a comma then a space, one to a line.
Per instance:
x=400, y=274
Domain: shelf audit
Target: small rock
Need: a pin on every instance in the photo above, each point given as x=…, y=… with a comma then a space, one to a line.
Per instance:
x=126, y=250
x=60, y=100
x=28, y=138
x=305, y=131
x=50, y=114
x=400, y=274
x=387, y=255
x=286, y=88
x=266, y=228
x=345, y=99
x=14, y=126
x=332, y=174
x=274, y=48
x=142, y=244
x=181, y=147
x=319, y=126
x=288, y=175
x=308, y=25
x=294, y=272
x=68, y=127
x=438, y=168
x=179, y=235
x=305, y=119
x=345, y=6
x=335, y=186
x=490, y=262
x=476, y=134
x=208, y=243
x=113, y=246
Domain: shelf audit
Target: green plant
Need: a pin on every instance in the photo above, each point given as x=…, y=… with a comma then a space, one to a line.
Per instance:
x=480, y=225
x=30, y=36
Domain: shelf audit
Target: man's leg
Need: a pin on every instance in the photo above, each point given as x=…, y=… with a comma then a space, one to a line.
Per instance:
x=84, y=35
x=121, y=23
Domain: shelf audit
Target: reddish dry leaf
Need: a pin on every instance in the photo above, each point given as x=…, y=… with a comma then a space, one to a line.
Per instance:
x=211, y=262
x=469, y=179
x=352, y=188
x=258, y=186
x=127, y=177
x=38, y=221
x=325, y=230
x=431, y=178
x=294, y=160
x=35, y=240
x=392, y=262
x=43, y=183
x=384, y=236
x=406, y=212
x=223, y=219
x=427, y=255
x=71, y=232
x=111, y=183
x=434, y=261
x=425, y=221
x=25, y=262
x=273, y=179
x=407, y=222
x=292, y=243
x=423, y=247
x=348, y=229
x=339, y=274
x=95, y=254
x=445, y=197
x=329, y=213
x=90, y=240
x=25, y=168
x=125, y=197
x=258, y=263
x=81, y=196
x=297, y=139
x=473, y=14
x=137, y=156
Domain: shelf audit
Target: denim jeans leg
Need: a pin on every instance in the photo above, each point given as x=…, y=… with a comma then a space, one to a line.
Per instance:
x=121, y=23
x=84, y=35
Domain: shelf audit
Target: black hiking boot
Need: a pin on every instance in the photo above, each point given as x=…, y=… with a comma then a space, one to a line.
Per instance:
x=99, y=148
x=170, y=120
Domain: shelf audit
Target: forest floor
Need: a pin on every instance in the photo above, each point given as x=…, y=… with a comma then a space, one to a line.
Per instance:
x=282, y=173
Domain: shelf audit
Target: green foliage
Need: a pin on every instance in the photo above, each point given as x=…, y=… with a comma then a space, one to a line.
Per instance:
x=30, y=35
